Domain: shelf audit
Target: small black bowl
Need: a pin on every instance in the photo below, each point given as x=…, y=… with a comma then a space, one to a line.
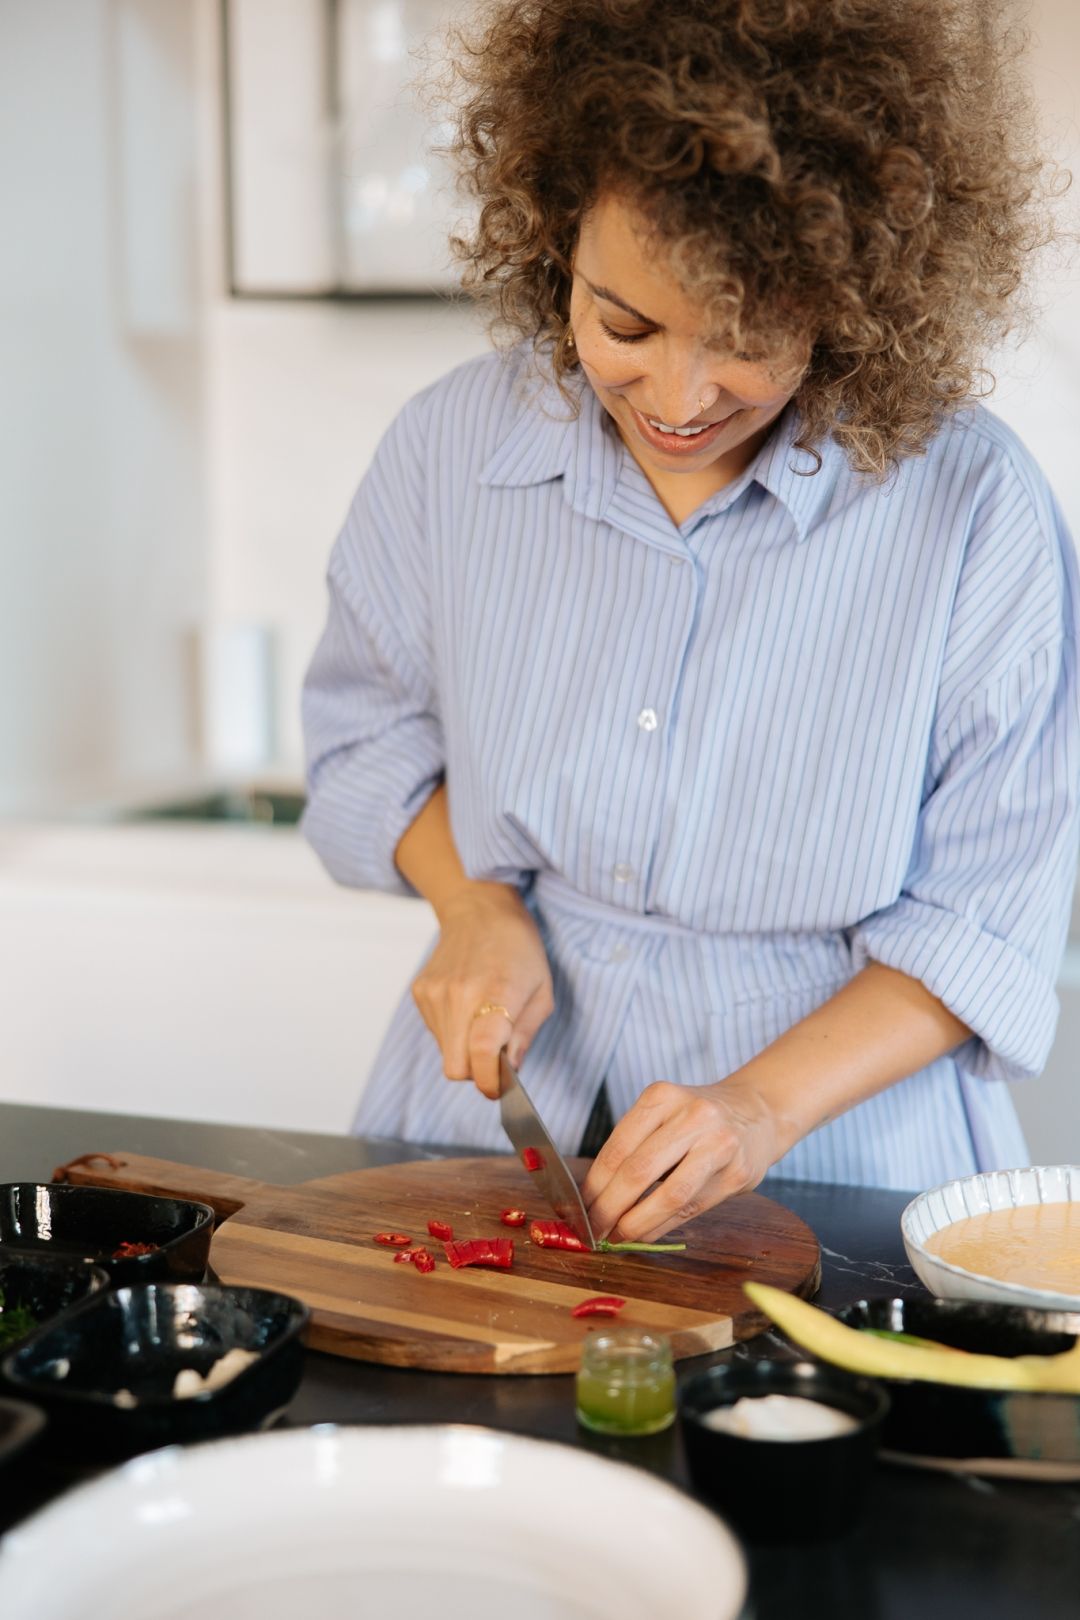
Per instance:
x=105, y=1371
x=985, y=1430
x=783, y=1490
x=90, y=1223
x=35, y=1289
x=19, y=1425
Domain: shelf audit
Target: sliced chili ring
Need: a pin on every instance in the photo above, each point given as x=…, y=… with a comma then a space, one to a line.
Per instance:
x=513, y=1217
x=423, y=1261
x=599, y=1305
x=441, y=1230
x=554, y=1235
x=532, y=1159
x=393, y=1240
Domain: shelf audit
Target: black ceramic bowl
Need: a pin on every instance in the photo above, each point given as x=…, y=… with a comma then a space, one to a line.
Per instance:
x=34, y=1289
x=782, y=1490
x=105, y=1371
x=987, y=1430
x=90, y=1223
x=19, y=1425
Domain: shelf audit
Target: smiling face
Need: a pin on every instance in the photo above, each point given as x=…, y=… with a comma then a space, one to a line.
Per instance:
x=656, y=367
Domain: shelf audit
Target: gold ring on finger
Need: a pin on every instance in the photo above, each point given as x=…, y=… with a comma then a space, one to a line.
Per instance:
x=490, y=1007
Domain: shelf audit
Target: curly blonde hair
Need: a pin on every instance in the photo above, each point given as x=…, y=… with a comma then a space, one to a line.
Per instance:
x=863, y=171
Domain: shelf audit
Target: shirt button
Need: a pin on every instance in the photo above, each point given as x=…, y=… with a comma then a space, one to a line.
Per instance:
x=647, y=720
x=620, y=953
x=623, y=873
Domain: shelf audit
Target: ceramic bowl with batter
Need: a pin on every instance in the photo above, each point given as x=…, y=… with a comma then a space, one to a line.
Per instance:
x=932, y=1212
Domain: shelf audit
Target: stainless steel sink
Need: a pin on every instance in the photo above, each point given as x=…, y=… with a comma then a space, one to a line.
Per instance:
x=266, y=806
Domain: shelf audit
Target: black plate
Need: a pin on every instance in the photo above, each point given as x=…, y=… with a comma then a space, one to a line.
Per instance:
x=1011, y=1432
x=137, y=1340
x=42, y=1288
x=19, y=1425
x=89, y=1223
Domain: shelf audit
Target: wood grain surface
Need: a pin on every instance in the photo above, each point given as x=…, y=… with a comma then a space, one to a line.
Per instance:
x=316, y=1241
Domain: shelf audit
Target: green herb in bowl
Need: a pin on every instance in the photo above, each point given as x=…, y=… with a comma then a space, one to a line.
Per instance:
x=15, y=1322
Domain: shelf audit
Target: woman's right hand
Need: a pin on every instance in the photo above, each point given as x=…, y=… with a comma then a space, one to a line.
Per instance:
x=489, y=954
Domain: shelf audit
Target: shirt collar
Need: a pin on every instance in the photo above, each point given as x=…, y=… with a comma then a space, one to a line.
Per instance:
x=547, y=441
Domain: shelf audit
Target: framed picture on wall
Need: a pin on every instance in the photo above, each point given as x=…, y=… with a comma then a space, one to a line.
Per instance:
x=334, y=187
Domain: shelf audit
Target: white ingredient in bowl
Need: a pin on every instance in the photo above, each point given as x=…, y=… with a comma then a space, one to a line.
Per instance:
x=779, y=1417
x=189, y=1382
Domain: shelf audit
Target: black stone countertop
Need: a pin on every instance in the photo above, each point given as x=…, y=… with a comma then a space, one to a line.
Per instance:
x=930, y=1545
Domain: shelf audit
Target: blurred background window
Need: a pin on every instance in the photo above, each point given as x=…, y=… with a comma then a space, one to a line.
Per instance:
x=334, y=186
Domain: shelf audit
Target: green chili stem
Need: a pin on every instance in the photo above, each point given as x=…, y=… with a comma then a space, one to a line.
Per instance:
x=638, y=1248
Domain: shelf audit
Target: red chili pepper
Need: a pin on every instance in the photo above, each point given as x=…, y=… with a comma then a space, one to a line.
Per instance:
x=441, y=1230
x=554, y=1235
x=131, y=1251
x=532, y=1159
x=495, y=1252
x=393, y=1240
x=599, y=1305
x=513, y=1217
x=418, y=1257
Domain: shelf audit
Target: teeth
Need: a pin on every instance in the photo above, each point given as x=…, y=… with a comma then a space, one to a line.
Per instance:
x=683, y=433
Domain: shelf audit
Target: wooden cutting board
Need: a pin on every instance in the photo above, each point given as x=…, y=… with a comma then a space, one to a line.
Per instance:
x=315, y=1241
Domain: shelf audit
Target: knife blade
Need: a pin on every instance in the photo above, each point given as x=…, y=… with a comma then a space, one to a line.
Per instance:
x=526, y=1129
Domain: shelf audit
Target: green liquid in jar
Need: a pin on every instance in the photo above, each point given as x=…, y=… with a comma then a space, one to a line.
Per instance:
x=626, y=1384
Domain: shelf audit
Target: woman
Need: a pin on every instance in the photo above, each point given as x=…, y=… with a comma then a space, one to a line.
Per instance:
x=708, y=658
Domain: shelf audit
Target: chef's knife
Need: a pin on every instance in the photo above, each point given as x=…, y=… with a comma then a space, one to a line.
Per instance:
x=526, y=1130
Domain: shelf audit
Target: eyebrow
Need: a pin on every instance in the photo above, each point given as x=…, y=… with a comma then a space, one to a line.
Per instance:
x=610, y=297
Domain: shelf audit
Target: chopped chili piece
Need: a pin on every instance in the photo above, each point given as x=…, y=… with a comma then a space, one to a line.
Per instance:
x=393, y=1240
x=599, y=1305
x=532, y=1159
x=418, y=1257
x=495, y=1252
x=131, y=1251
x=513, y=1217
x=441, y=1230
x=554, y=1235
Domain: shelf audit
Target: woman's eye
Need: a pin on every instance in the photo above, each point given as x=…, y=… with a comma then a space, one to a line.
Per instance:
x=623, y=337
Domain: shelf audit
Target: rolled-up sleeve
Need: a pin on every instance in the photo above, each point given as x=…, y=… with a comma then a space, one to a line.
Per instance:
x=984, y=911
x=372, y=731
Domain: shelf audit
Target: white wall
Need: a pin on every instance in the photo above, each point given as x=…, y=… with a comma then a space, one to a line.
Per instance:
x=103, y=533
x=302, y=395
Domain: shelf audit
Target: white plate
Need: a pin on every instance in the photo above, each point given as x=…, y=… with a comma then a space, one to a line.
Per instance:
x=404, y=1523
x=977, y=1195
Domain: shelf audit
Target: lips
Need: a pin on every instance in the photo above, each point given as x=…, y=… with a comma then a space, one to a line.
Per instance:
x=671, y=443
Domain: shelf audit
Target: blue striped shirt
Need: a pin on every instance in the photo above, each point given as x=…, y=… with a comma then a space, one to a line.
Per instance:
x=822, y=721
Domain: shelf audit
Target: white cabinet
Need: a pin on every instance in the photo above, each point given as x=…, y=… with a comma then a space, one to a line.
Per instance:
x=208, y=973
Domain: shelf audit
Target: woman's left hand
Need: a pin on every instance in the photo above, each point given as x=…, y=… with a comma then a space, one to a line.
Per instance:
x=702, y=1144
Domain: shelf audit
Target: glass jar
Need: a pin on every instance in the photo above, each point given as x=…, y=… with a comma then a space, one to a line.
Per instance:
x=626, y=1382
